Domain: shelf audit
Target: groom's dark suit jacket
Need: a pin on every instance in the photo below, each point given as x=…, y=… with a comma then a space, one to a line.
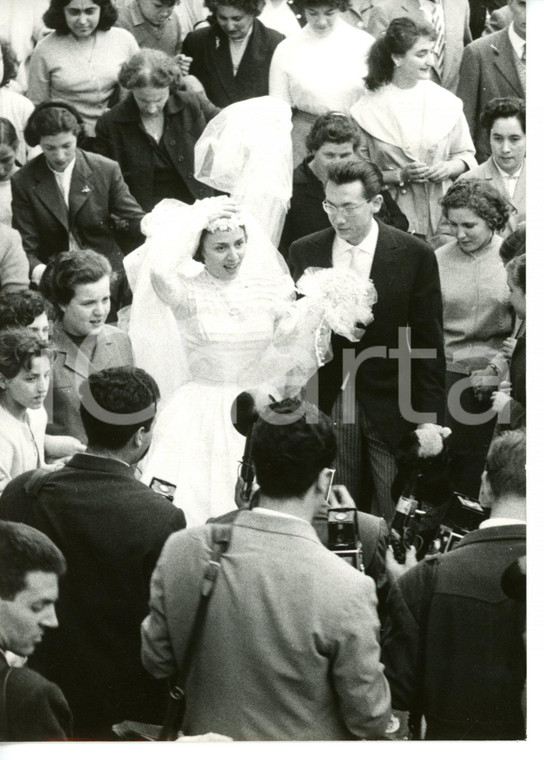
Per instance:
x=405, y=275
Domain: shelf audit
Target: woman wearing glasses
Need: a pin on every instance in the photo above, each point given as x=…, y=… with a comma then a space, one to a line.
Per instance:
x=414, y=130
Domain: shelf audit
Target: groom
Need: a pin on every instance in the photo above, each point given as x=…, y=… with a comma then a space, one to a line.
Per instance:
x=372, y=388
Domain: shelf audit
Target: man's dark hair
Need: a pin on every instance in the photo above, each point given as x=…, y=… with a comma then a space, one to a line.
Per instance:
x=115, y=403
x=505, y=464
x=54, y=17
x=20, y=309
x=25, y=550
x=355, y=170
x=514, y=245
x=289, y=457
x=334, y=127
x=503, y=108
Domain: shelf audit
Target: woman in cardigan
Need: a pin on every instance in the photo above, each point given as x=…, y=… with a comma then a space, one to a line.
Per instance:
x=80, y=61
x=477, y=319
x=152, y=132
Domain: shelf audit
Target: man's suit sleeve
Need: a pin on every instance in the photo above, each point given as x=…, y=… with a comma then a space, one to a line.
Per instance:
x=295, y=261
x=24, y=222
x=356, y=670
x=406, y=613
x=157, y=654
x=426, y=331
x=123, y=204
x=37, y=709
x=469, y=86
x=102, y=139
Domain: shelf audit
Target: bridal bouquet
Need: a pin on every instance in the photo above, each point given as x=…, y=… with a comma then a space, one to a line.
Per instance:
x=346, y=300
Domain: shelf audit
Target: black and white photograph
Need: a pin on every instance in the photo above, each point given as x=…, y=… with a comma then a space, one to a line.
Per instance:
x=263, y=389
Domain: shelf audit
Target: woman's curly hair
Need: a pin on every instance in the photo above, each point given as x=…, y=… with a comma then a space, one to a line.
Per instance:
x=11, y=62
x=54, y=17
x=481, y=198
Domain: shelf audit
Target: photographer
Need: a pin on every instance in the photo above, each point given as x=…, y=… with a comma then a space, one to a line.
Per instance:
x=289, y=647
x=449, y=619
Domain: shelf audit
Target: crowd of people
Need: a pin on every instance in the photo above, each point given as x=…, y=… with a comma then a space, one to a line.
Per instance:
x=263, y=269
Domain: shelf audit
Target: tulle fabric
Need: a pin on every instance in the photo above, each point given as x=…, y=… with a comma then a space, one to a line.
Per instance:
x=246, y=151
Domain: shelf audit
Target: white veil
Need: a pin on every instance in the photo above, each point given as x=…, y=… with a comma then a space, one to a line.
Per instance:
x=158, y=270
x=246, y=151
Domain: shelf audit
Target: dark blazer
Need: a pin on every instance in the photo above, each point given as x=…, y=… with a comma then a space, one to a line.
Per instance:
x=35, y=709
x=405, y=275
x=472, y=668
x=212, y=64
x=111, y=529
x=488, y=70
x=97, y=192
x=120, y=136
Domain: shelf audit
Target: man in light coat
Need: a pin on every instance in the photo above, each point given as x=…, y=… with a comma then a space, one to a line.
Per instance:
x=289, y=646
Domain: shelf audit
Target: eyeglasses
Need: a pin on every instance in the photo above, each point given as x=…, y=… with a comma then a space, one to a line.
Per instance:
x=330, y=208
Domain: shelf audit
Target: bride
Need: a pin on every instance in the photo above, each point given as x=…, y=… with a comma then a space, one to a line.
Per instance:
x=213, y=315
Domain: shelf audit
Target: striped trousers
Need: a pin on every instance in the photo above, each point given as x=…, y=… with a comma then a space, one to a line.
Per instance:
x=364, y=463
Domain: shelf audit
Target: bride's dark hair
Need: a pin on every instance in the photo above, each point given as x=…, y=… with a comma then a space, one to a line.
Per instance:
x=400, y=36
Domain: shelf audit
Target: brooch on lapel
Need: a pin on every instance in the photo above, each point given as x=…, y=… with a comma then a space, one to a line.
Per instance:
x=217, y=42
x=86, y=189
x=494, y=49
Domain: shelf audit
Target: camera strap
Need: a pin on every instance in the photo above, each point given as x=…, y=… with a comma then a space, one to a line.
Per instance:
x=175, y=711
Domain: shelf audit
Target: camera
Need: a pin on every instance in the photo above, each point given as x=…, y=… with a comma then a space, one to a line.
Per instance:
x=163, y=488
x=343, y=536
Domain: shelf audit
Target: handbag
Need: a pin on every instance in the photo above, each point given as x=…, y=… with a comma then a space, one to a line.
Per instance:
x=170, y=730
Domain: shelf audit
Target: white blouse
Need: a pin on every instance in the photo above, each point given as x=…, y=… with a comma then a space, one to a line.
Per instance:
x=319, y=74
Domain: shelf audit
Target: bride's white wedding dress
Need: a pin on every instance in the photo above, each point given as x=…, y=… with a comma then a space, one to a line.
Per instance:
x=229, y=328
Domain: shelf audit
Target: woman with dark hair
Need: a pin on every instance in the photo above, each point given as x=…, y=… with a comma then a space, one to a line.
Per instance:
x=477, y=318
x=504, y=122
x=231, y=57
x=67, y=198
x=13, y=105
x=153, y=131
x=80, y=61
x=413, y=129
x=320, y=68
x=77, y=284
x=24, y=379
